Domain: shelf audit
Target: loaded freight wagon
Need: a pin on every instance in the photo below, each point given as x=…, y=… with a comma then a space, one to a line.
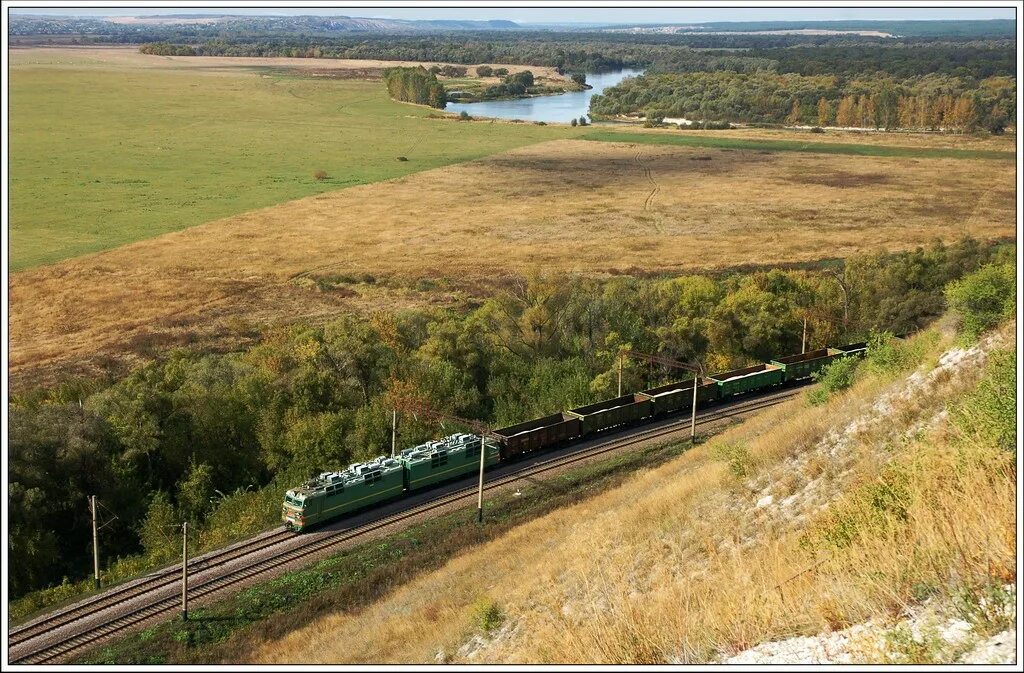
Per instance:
x=538, y=434
x=807, y=364
x=748, y=379
x=858, y=349
x=611, y=413
x=676, y=396
x=802, y=366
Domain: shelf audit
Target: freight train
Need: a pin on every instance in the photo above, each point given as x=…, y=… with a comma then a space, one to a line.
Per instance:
x=334, y=494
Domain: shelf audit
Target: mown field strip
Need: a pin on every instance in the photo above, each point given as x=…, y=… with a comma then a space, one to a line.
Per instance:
x=699, y=139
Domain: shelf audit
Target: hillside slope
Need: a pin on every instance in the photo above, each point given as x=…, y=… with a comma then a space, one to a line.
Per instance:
x=886, y=513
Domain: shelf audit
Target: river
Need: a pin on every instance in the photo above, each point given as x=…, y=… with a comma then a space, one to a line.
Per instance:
x=557, y=108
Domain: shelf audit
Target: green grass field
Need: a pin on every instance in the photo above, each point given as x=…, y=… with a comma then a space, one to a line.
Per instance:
x=699, y=139
x=104, y=157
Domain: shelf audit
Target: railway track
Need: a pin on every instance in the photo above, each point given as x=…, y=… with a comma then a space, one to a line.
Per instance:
x=51, y=652
x=129, y=590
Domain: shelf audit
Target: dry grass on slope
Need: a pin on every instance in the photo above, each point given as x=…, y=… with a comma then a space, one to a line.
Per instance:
x=799, y=520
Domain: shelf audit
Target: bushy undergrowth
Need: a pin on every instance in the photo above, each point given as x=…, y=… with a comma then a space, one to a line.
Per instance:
x=988, y=415
x=834, y=378
x=984, y=298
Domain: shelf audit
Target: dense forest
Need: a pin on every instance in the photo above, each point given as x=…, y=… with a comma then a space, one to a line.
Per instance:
x=599, y=52
x=415, y=85
x=931, y=102
x=216, y=438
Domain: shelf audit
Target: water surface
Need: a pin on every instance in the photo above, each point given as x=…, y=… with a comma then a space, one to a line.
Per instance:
x=558, y=108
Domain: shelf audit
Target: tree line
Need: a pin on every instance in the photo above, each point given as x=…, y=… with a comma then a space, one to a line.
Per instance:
x=929, y=102
x=216, y=438
x=597, y=52
x=415, y=85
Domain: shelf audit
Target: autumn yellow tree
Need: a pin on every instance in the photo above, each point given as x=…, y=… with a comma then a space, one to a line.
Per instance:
x=866, y=111
x=965, y=115
x=907, y=112
x=794, y=117
x=824, y=111
x=846, y=114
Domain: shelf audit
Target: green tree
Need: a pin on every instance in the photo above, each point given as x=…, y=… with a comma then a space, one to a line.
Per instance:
x=196, y=491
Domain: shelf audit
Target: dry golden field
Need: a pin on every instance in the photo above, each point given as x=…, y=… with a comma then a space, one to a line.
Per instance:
x=129, y=59
x=587, y=207
x=1003, y=143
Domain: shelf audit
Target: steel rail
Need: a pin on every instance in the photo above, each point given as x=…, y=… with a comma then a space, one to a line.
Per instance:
x=133, y=589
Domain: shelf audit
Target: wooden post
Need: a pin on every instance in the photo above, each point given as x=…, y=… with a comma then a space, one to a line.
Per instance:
x=184, y=571
x=95, y=544
x=480, y=491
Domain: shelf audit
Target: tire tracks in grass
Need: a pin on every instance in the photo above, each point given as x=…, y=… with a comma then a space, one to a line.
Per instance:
x=655, y=187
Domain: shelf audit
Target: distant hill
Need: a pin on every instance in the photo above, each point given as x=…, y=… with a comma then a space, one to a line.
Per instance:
x=992, y=28
x=26, y=24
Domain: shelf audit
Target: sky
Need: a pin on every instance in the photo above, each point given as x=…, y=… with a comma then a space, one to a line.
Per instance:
x=590, y=15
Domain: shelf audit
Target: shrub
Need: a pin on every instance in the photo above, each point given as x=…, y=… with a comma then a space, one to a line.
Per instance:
x=487, y=615
x=484, y=71
x=988, y=607
x=888, y=355
x=837, y=376
x=983, y=298
x=817, y=129
x=464, y=116
x=736, y=455
x=500, y=72
x=320, y=176
x=716, y=125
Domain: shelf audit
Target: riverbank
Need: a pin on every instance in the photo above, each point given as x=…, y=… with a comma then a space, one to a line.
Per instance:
x=479, y=95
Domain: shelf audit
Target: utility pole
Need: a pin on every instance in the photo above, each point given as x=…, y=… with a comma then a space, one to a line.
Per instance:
x=394, y=430
x=698, y=377
x=480, y=489
x=803, y=340
x=620, y=375
x=95, y=544
x=184, y=571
